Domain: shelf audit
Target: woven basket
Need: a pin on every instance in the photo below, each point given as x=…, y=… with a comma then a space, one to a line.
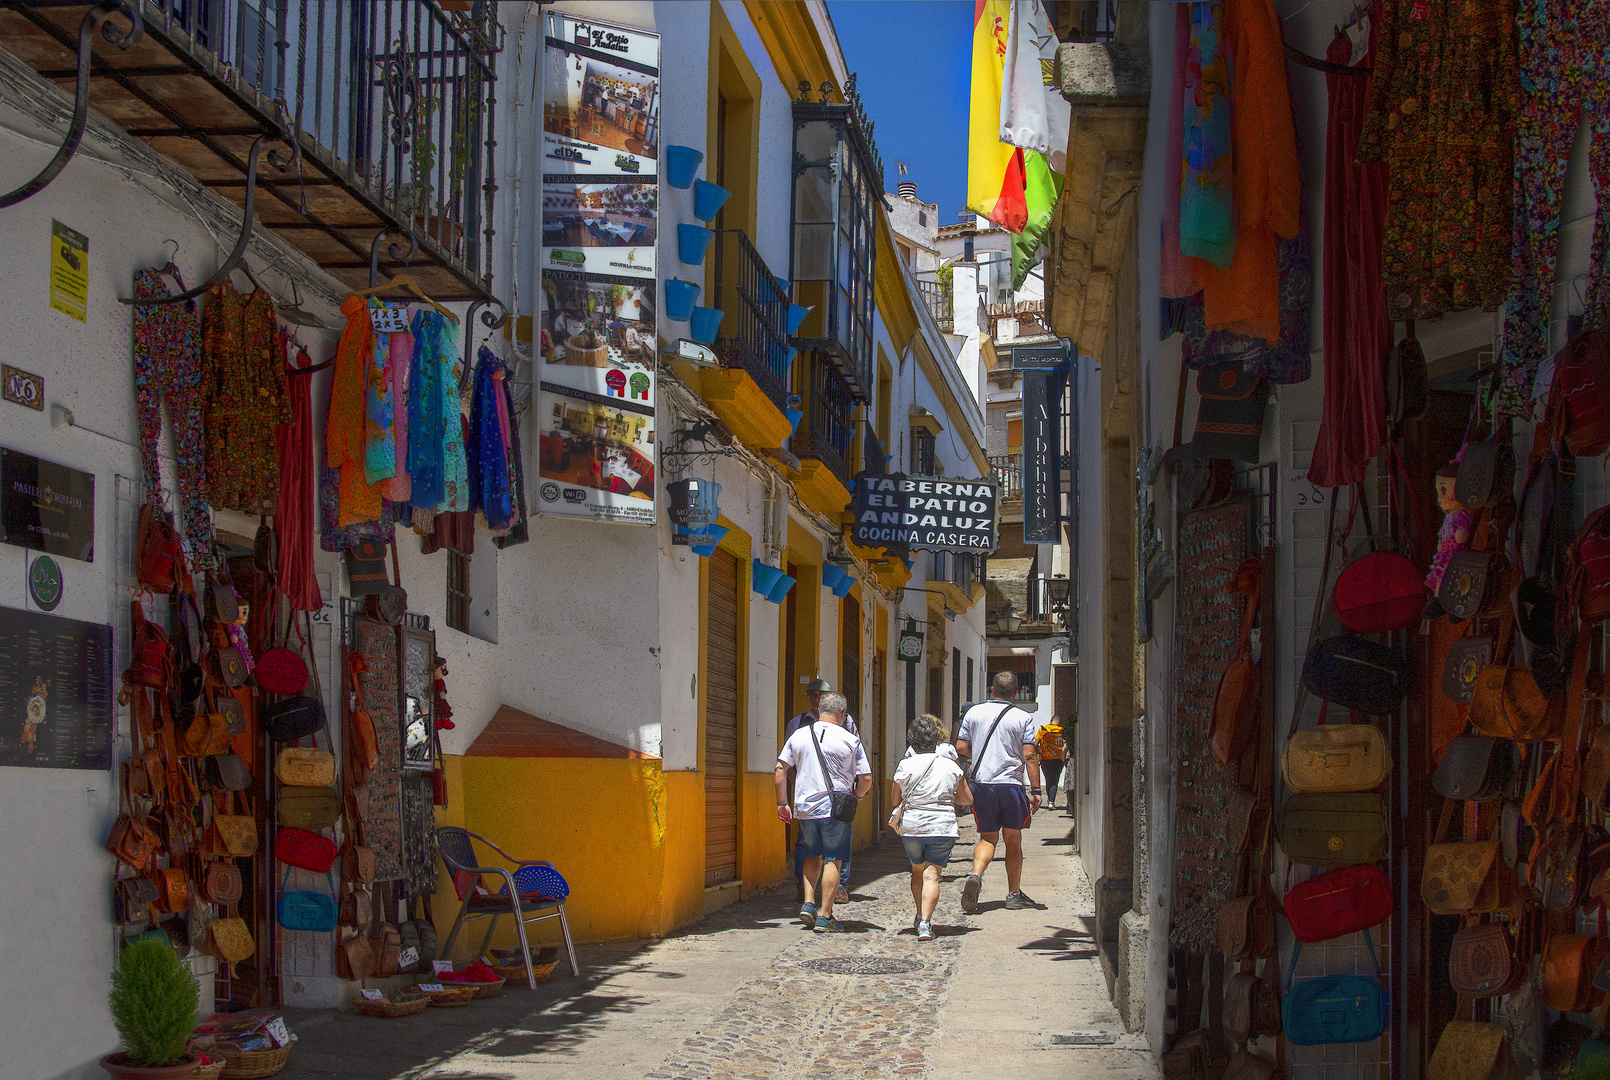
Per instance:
x=515, y=973
x=483, y=990
x=246, y=1064
x=451, y=997
x=210, y=1072
x=408, y=1004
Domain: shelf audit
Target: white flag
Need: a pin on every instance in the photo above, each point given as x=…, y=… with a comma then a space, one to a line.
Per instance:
x=1034, y=114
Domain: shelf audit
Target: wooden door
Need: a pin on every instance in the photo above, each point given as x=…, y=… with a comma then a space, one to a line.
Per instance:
x=721, y=721
x=874, y=736
x=850, y=667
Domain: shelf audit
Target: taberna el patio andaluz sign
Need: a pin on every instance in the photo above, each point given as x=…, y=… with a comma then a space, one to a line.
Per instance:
x=923, y=512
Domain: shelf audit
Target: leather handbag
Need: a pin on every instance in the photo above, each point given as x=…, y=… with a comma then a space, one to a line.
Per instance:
x=294, y=718
x=1507, y=703
x=1465, y=583
x=230, y=665
x=358, y=859
x=365, y=745
x=220, y=882
x=222, y=599
x=1580, y=394
x=135, y=895
x=1236, y=699
x=1475, y=768
x=1334, y=1009
x=150, y=655
x=1595, y=773
x=229, y=771
x=1481, y=962
x=230, y=940
x=1336, y=757
x=1330, y=830
x=173, y=890
x=1248, y=815
x=305, y=850
x=207, y=735
x=314, y=912
x=355, y=959
x=1229, y=419
x=305, y=766
x=1357, y=673
x=1515, y=834
x=133, y=841
x=280, y=671
x=366, y=567
x=1338, y=902
x=1189, y=1058
x=357, y=906
x=1466, y=658
x=309, y=807
x=1379, y=593
x=1558, y=872
x=158, y=554
x=231, y=834
x=1569, y=964
x=1486, y=474
x=386, y=940
x=1246, y=925
x=1465, y=878
x=1251, y=1005
x=1469, y=1050
x=234, y=713
x=1588, y=568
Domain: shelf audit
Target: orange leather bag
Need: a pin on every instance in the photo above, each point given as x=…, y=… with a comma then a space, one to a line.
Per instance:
x=1237, y=698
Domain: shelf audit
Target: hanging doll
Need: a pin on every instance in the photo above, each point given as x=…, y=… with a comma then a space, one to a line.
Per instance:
x=1457, y=523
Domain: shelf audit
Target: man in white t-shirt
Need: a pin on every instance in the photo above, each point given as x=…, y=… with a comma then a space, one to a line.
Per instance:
x=999, y=737
x=824, y=841
x=813, y=699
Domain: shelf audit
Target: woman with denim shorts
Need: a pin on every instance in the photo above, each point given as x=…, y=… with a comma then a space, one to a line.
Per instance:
x=929, y=786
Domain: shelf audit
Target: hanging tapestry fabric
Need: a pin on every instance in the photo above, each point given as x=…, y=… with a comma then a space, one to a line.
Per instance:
x=376, y=643
x=1283, y=362
x=519, y=529
x=167, y=367
x=1179, y=274
x=1245, y=295
x=488, y=448
x=293, y=513
x=1207, y=196
x=1207, y=620
x=399, y=488
x=344, y=439
x=1443, y=107
x=243, y=391
x=1565, y=72
x=436, y=445
x=335, y=537
x=379, y=448
x=1352, y=425
x=419, y=837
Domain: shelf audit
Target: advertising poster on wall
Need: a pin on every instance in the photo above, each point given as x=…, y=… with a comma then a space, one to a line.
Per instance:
x=600, y=224
x=56, y=691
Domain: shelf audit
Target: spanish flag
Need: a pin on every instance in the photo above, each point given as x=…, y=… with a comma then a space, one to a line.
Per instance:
x=995, y=170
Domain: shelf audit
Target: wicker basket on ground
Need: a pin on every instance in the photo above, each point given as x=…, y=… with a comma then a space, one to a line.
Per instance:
x=249, y=1064
x=403, y=1003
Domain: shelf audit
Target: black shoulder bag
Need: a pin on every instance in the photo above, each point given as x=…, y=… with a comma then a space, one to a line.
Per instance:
x=842, y=803
x=978, y=751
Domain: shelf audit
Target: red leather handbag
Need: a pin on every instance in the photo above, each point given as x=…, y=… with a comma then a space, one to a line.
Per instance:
x=1582, y=392
x=1379, y=593
x=1338, y=902
x=280, y=671
x=308, y=850
x=1588, y=579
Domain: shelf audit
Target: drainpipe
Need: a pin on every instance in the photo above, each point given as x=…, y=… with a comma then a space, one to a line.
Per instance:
x=1071, y=437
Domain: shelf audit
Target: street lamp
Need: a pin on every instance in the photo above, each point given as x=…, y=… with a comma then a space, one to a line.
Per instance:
x=1008, y=620
x=1057, y=588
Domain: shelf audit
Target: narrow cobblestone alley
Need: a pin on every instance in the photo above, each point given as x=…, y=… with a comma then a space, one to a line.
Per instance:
x=742, y=994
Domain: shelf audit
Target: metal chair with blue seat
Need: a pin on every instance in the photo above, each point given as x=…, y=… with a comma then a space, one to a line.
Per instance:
x=532, y=890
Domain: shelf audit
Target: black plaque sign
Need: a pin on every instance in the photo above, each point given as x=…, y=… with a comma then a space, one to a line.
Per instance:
x=905, y=512
x=46, y=506
x=1054, y=355
x=56, y=693
x=1042, y=456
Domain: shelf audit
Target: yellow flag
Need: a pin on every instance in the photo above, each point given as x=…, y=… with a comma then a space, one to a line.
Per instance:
x=995, y=171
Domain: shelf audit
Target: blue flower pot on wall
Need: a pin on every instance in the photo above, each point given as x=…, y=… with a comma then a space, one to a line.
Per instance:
x=832, y=574
x=780, y=590
x=707, y=199
x=691, y=243
x=681, y=162
x=794, y=417
x=711, y=536
x=796, y=315
x=842, y=589
x=679, y=298
x=764, y=578
x=704, y=323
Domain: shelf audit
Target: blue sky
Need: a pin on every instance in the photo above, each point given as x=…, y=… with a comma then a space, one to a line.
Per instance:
x=914, y=61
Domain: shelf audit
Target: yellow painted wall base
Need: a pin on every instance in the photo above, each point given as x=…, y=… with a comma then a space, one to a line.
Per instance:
x=628, y=837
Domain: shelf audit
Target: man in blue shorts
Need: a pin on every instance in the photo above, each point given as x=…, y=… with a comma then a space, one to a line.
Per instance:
x=825, y=758
x=1000, y=739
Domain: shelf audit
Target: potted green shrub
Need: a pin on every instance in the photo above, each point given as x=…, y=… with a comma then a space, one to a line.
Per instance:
x=154, y=1003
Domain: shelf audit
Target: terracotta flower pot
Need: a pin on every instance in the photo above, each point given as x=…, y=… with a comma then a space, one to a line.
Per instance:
x=117, y=1068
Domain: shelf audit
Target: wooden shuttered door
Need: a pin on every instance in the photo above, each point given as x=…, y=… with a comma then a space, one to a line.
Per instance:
x=721, y=721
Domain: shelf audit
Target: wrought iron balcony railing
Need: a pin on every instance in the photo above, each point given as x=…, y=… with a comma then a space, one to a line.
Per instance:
x=1008, y=470
x=754, y=315
x=390, y=102
x=940, y=300
x=827, y=432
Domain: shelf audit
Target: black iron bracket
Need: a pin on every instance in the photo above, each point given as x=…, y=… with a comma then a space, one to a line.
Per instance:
x=490, y=320
x=394, y=251
x=679, y=456
x=93, y=18
x=228, y=266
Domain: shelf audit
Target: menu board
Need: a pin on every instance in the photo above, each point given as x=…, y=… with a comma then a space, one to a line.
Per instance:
x=1207, y=626
x=56, y=692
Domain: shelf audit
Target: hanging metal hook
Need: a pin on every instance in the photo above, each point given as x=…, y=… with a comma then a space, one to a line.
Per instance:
x=239, y=253
x=489, y=320
x=394, y=251
x=93, y=18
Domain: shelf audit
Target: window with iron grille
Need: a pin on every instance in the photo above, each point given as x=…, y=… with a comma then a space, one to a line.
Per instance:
x=458, y=591
x=922, y=452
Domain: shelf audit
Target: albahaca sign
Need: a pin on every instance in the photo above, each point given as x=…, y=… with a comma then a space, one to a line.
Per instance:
x=892, y=510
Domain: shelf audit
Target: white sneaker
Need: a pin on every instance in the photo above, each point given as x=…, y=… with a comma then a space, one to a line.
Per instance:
x=925, y=932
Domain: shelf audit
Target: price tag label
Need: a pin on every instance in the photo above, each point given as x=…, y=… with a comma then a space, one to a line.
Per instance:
x=408, y=957
x=388, y=319
x=431, y=988
x=325, y=616
x=442, y=967
x=373, y=995
x=278, y=1032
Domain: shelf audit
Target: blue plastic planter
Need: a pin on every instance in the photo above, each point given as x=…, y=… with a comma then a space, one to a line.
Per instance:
x=832, y=574
x=691, y=243
x=796, y=315
x=794, y=417
x=842, y=589
x=679, y=297
x=764, y=578
x=703, y=325
x=711, y=535
x=707, y=199
x=780, y=590
x=680, y=164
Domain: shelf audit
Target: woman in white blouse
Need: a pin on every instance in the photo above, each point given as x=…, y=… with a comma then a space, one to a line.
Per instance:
x=928, y=786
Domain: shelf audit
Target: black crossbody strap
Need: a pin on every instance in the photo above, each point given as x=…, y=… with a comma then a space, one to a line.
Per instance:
x=978, y=755
x=827, y=774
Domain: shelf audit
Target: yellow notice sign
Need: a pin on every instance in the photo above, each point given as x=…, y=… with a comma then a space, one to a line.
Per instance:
x=69, y=270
